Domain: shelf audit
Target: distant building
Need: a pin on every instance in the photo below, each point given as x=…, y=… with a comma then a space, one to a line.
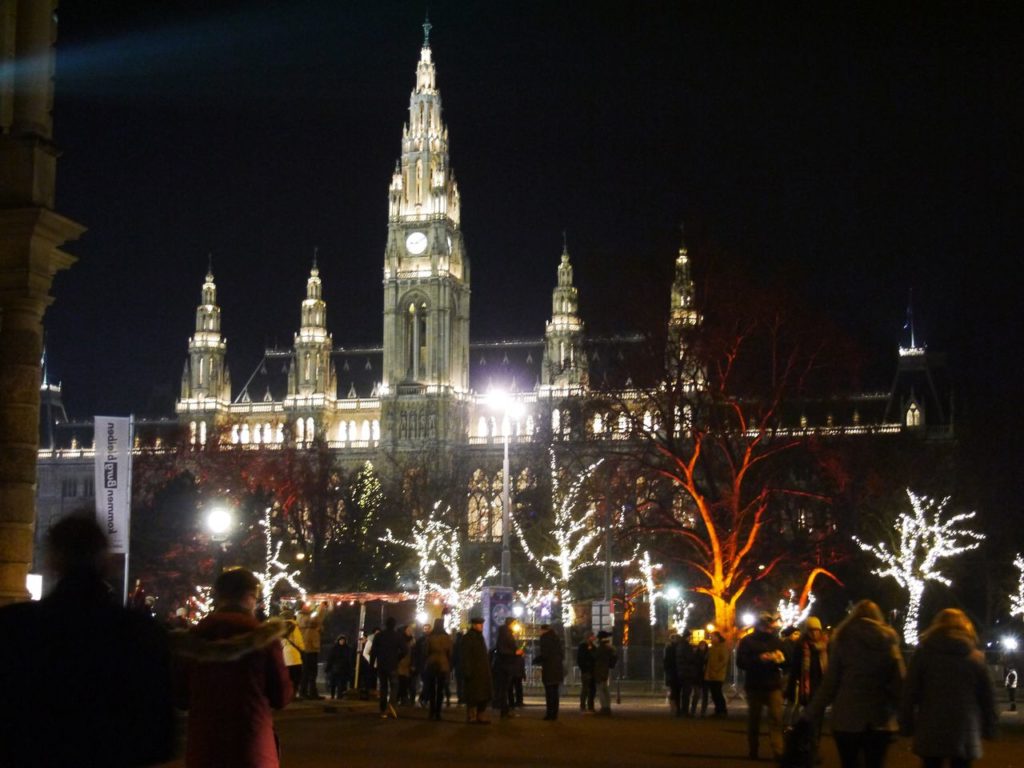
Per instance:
x=428, y=386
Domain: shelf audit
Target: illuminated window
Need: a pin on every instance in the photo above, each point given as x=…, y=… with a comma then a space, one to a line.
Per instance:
x=598, y=424
x=202, y=433
x=913, y=416
x=279, y=437
x=234, y=434
x=481, y=426
x=352, y=433
x=484, y=508
x=556, y=421
x=300, y=430
x=268, y=433
x=309, y=430
x=245, y=434
x=343, y=432
x=192, y=433
x=366, y=429
x=623, y=423
x=416, y=341
x=529, y=424
x=257, y=434
x=375, y=429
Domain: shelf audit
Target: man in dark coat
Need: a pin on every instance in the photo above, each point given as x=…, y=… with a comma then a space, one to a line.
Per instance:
x=476, y=672
x=84, y=681
x=585, y=662
x=689, y=671
x=760, y=654
x=505, y=664
x=552, y=669
x=387, y=650
x=671, y=675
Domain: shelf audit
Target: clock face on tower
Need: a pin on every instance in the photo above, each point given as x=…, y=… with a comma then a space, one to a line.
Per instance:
x=416, y=243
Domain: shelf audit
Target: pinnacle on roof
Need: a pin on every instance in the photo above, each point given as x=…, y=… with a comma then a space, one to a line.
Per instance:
x=427, y=26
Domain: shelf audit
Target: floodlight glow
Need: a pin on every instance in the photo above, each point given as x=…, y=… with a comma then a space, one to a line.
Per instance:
x=747, y=619
x=672, y=593
x=1010, y=643
x=517, y=610
x=219, y=521
x=422, y=617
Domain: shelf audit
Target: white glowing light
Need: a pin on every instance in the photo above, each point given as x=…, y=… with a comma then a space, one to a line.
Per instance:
x=924, y=539
x=517, y=611
x=672, y=593
x=747, y=619
x=421, y=617
x=790, y=612
x=1009, y=643
x=274, y=571
x=219, y=521
x=1017, y=600
x=573, y=535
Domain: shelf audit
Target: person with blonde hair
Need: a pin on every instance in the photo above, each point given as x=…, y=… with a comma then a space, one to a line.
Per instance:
x=948, y=702
x=862, y=683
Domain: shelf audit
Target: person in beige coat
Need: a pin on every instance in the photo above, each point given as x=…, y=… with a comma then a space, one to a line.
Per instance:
x=438, y=666
x=311, y=625
x=715, y=670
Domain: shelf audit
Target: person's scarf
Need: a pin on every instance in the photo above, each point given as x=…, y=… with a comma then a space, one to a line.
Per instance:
x=808, y=647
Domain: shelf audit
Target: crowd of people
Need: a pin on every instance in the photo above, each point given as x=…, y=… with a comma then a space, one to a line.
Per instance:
x=233, y=668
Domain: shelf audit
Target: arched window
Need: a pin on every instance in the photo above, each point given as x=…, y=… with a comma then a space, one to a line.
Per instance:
x=202, y=433
x=309, y=430
x=484, y=508
x=268, y=433
x=481, y=426
x=352, y=433
x=416, y=341
x=192, y=433
x=556, y=421
x=648, y=421
x=375, y=429
x=623, y=423
x=234, y=434
x=913, y=416
x=343, y=432
x=529, y=424
x=300, y=430
x=257, y=434
x=245, y=434
x=202, y=370
x=366, y=429
x=598, y=424
x=279, y=437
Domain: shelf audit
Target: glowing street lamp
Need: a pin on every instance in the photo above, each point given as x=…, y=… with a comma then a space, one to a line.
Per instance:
x=1009, y=643
x=219, y=522
x=510, y=409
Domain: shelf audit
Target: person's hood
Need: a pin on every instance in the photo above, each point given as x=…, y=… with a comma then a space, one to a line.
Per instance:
x=949, y=642
x=228, y=636
x=866, y=634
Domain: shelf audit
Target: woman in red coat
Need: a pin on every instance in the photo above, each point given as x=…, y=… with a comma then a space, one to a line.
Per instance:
x=232, y=676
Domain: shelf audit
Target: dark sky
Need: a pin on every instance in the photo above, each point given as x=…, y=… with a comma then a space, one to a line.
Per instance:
x=851, y=156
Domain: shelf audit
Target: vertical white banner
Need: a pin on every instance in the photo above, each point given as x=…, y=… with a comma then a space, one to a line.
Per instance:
x=113, y=479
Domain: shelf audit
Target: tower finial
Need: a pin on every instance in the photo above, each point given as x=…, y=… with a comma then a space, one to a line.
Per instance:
x=316, y=250
x=209, y=266
x=565, y=242
x=682, y=233
x=427, y=26
x=909, y=324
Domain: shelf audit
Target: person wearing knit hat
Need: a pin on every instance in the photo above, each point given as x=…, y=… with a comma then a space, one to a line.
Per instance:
x=807, y=670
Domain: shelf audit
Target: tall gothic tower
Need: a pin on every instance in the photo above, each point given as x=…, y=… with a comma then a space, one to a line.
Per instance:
x=426, y=271
x=683, y=321
x=565, y=364
x=205, y=381
x=312, y=372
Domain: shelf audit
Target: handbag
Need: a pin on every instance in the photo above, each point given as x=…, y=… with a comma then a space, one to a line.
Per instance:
x=797, y=746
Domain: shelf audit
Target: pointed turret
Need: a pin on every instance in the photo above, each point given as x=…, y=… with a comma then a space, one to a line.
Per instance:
x=564, y=365
x=312, y=373
x=206, y=377
x=683, y=320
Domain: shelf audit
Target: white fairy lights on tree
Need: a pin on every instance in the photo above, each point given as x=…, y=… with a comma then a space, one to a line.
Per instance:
x=790, y=612
x=423, y=542
x=274, y=571
x=924, y=539
x=457, y=597
x=1017, y=600
x=538, y=601
x=572, y=534
x=647, y=569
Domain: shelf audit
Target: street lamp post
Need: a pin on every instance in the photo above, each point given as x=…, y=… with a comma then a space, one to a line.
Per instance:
x=510, y=410
x=219, y=522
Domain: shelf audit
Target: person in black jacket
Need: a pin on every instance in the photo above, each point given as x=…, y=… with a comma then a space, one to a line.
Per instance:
x=585, y=662
x=507, y=653
x=340, y=666
x=689, y=672
x=387, y=650
x=760, y=654
x=671, y=674
x=552, y=669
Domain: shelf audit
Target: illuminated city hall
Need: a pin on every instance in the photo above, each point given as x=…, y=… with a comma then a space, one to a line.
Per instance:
x=428, y=387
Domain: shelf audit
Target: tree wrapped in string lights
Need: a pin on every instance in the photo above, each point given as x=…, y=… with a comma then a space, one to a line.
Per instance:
x=1017, y=600
x=572, y=536
x=791, y=613
x=423, y=541
x=274, y=571
x=457, y=598
x=924, y=539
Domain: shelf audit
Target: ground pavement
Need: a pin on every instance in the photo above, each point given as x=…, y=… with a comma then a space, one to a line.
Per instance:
x=640, y=733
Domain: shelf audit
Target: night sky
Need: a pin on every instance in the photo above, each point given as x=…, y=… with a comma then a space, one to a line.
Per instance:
x=851, y=157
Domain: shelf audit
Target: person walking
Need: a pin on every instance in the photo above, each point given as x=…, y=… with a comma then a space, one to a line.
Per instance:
x=552, y=669
x=948, y=704
x=807, y=668
x=585, y=663
x=232, y=676
x=761, y=656
x=715, y=671
x=438, y=666
x=689, y=671
x=701, y=689
x=668, y=664
x=505, y=663
x=311, y=623
x=477, y=688
x=388, y=649
x=862, y=683
x=605, y=658
x=340, y=666
x=406, y=673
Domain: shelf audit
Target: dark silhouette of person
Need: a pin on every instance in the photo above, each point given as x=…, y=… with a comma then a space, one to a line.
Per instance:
x=86, y=681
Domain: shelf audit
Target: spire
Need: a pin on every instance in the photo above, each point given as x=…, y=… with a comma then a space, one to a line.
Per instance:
x=908, y=325
x=564, y=364
x=209, y=267
x=682, y=312
x=427, y=26
x=315, y=270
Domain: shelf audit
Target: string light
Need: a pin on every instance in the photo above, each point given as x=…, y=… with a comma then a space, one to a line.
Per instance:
x=573, y=538
x=790, y=612
x=924, y=539
x=1017, y=600
x=274, y=571
x=647, y=569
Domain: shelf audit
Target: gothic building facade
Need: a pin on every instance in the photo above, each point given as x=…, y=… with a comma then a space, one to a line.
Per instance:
x=429, y=388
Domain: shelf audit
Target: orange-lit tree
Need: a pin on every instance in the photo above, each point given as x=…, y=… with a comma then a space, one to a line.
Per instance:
x=733, y=479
